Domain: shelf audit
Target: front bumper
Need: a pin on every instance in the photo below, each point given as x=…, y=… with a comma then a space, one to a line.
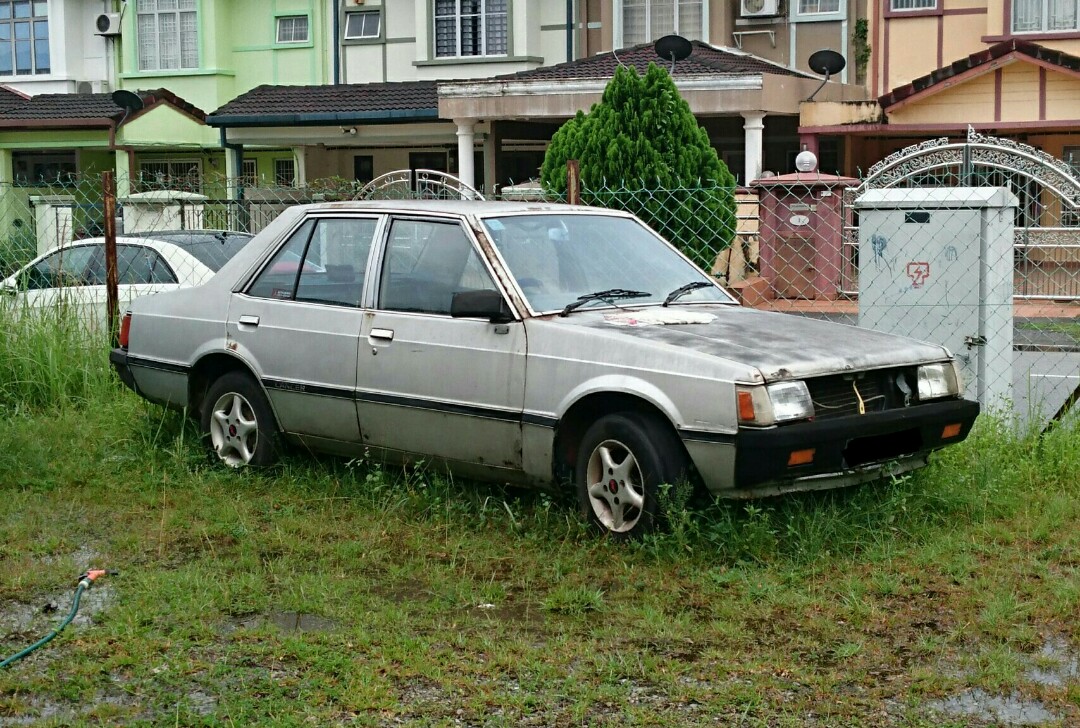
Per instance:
x=860, y=443
x=118, y=358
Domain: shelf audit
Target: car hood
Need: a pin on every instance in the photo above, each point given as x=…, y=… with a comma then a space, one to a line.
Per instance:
x=780, y=346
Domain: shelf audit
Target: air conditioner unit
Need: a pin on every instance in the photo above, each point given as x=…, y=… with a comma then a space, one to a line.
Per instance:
x=760, y=8
x=109, y=24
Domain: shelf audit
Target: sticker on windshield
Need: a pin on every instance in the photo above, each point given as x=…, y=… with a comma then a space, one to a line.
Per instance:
x=658, y=317
x=495, y=224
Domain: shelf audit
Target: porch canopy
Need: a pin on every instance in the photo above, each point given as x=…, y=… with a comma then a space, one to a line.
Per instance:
x=721, y=85
x=326, y=124
x=1015, y=88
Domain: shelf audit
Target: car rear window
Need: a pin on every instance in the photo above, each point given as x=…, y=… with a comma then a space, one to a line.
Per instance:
x=212, y=248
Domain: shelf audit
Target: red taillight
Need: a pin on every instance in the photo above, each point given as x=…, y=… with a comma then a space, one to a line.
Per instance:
x=125, y=329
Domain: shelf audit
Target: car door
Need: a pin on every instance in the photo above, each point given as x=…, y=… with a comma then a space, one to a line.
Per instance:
x=428, y=383
x=298, y=324
x=61, y=280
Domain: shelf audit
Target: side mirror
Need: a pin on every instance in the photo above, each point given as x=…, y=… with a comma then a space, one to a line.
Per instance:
x=485, y=304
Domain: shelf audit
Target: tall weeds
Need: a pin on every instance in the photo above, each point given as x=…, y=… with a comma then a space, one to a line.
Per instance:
x=49, y=359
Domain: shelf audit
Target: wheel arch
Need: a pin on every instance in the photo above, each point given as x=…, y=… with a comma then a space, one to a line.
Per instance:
x=208, y=369
x=586, y=410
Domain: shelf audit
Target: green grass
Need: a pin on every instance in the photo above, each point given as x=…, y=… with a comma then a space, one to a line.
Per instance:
x=430, y=601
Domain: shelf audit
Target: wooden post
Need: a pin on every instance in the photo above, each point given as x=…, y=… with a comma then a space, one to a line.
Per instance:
x=108, y=193
x=573, y=182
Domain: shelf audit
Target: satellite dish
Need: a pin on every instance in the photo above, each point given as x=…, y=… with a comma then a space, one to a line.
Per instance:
x=826, y=63
x=127, y=100
x=673, y=47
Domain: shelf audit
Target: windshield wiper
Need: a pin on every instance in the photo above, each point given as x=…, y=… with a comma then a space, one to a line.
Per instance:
x=683, y=290
x=607, y=296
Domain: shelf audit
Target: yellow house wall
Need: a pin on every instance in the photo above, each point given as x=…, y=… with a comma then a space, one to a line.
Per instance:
x=972, y=101
x=1062, y=96
x=1020, y=92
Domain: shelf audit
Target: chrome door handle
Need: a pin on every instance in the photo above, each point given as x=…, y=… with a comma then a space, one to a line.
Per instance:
x=384, y=334
x=249, y=320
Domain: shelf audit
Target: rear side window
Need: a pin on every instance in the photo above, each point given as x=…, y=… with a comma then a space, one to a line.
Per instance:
x=324, y=261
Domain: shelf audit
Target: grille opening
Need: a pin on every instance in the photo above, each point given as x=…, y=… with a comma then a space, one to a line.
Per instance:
x=864, y=450
x=835, y=395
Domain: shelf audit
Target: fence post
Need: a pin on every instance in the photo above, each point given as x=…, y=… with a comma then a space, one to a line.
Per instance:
x=573, y=182
x=108, y=192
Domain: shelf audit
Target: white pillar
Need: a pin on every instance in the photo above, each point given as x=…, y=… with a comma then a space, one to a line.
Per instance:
x=753, y=128
x=466, y=137
x=301, y=166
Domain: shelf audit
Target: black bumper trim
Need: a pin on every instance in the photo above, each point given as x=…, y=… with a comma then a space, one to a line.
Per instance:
x=118, y=358
x=846, y=443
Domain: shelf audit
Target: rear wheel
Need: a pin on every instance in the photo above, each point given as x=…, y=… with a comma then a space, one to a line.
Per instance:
x=622, y=461
x=238, y=422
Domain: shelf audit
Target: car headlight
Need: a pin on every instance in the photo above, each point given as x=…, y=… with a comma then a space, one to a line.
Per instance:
x=938, y=380
x=774, y=403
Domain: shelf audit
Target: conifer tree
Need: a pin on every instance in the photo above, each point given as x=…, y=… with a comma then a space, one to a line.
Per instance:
x=640, y=149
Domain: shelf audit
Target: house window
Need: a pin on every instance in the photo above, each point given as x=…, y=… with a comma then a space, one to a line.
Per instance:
x=646, y=20
x=24, y=37
x=168, y=35
x=293, y=29
x=1044, y=16
x=470, y=28
x=902, y=5
x=31, y=168
x=363, y=25
x=813, y=7
x=363, y=168
x=171, y=174
x=285, y=172
x=249, y=173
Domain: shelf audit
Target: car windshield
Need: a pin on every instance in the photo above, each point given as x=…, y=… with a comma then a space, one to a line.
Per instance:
x=559, y=258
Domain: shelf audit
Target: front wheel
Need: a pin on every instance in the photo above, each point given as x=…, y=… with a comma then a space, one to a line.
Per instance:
x=238, y=422
x=622, y=461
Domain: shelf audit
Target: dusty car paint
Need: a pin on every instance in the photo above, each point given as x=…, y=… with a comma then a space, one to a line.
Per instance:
x=437, y=396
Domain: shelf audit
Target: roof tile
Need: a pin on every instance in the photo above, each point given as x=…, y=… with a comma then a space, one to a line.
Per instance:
x=358, y=97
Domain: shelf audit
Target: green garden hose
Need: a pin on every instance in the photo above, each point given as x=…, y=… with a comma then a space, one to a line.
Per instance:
x=85, y=582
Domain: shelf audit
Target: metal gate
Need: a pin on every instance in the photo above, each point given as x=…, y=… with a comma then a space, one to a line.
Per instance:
x=1047, y=226
x=1045, y=254
x=417, y=184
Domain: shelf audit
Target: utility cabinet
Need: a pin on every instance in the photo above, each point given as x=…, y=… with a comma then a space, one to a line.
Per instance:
x=936, y=264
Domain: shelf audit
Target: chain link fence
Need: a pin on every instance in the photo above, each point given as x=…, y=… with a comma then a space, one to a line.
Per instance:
x=996, y=279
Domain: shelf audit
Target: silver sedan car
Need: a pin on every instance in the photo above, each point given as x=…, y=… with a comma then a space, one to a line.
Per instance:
x=536, y=344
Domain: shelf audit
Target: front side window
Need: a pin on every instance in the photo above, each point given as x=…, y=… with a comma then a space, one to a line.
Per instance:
x=168, y=35
x=325, y=261
x=1044, y=16
x=647, y=20
x=24, y=37
x=902, y=5
x=362, y=25
x=66, y=267
x=470, y=28
x=426, y=263
x=293, y=29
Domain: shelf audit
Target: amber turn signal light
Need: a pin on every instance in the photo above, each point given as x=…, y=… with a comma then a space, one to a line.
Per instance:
x=746, y=406
x=950, y=431
x=800, y=457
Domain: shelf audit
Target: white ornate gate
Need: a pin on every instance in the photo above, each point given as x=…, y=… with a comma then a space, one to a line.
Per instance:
x=1047, y=237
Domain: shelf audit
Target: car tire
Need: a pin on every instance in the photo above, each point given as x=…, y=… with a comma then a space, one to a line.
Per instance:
x=237, y=422
x=623, y=460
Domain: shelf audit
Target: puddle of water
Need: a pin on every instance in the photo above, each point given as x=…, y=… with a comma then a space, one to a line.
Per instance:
x=1058, y=665
x=287, y=622
x=1004, y=710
